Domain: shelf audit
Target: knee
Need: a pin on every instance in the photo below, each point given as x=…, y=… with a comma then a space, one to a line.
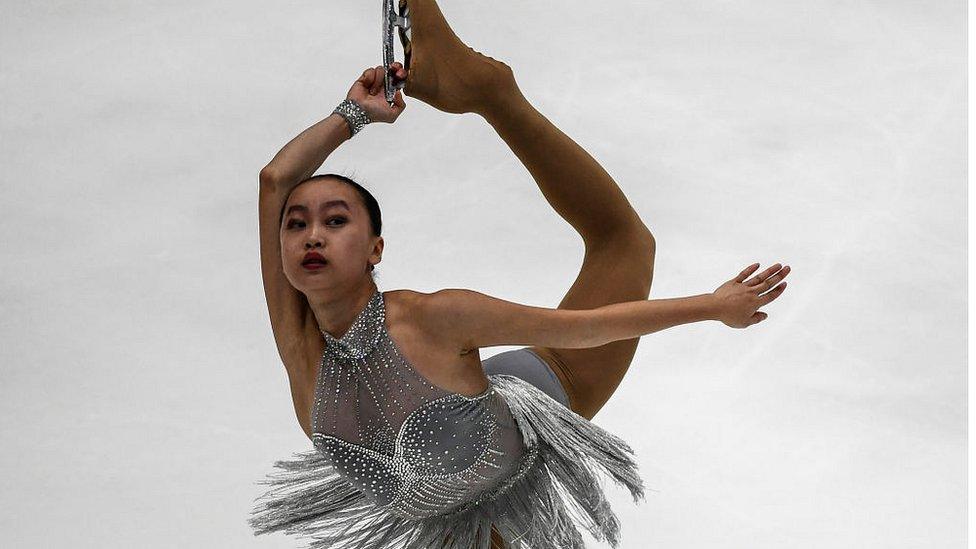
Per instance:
x=645, y=241
x=635, y=240
x=641, y=249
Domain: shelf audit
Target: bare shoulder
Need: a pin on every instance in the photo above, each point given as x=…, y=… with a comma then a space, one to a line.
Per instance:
x=400, y=304
x=439, y=317
x=420, y=315
x=406, y=309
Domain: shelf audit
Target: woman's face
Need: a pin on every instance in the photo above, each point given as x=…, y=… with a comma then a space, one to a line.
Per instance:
x=327, y=216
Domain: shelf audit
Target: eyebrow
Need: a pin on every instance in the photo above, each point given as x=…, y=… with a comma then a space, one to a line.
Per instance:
x=330, y=203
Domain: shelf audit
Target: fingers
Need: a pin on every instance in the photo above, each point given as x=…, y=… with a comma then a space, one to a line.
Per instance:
x=761, y=282
x=373, y=83
x=373, y=80
x=773, y=280
x=397, y=71
x=769, y=296
x=763, y=275
x=367, y=78
x=398, y=101
x=746, y=272
x=379, y=81
x=765, y=280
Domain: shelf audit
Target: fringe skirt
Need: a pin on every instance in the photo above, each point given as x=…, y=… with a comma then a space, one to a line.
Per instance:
x=556, y=488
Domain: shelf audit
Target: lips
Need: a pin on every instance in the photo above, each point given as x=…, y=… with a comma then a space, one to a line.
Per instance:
x=312, y=258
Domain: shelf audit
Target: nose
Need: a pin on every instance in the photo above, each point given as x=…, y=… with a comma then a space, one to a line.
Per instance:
x=313, y=240
x=314, y=236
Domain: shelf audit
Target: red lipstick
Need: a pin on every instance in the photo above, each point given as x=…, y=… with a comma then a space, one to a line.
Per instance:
x=313, y=261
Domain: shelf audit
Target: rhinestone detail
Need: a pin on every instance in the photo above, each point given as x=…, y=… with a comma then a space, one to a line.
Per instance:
x=417, y=449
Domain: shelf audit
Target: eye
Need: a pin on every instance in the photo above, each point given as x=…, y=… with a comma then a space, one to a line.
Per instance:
x=294, y=222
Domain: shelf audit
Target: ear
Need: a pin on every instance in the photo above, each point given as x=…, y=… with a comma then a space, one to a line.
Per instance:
x=377, y=253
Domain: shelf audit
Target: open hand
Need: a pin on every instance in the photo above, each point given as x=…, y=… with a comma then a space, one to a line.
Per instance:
x=737, y=300
x=369, y=92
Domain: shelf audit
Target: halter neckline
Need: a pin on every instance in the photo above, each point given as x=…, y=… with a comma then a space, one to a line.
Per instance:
x=364, y=332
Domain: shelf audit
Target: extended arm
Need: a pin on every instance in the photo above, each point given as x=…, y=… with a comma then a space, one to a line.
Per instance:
x=470, y=319
x=474, y=320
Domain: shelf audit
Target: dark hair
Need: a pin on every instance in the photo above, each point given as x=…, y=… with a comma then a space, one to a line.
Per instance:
x=373, y=207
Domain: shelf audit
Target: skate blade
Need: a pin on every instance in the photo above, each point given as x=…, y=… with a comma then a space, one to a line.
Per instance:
x=400, y=21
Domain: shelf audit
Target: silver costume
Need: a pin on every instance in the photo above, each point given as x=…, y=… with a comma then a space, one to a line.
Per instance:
x=401, y=463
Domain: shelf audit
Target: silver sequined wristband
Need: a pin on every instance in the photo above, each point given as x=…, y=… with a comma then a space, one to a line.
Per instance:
x=355, y=115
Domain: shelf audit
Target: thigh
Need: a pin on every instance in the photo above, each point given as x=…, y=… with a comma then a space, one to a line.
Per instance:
x=617, y=271
x=530, y=367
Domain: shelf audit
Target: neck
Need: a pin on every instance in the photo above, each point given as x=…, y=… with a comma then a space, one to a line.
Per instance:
x=335, y=313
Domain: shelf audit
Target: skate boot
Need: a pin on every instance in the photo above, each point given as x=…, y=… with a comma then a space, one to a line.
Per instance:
x=442, y=71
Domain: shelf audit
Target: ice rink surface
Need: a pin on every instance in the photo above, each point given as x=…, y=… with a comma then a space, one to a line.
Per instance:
x=142, y=395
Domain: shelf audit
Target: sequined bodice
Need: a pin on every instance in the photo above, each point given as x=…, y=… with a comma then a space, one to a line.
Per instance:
x=415, y=448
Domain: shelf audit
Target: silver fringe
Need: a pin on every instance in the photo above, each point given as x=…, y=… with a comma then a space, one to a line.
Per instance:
x=538, y=508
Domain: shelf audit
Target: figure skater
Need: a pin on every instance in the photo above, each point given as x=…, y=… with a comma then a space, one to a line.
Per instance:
x=418, y=443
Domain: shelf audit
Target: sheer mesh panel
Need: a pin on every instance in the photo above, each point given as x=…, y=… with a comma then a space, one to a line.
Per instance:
x=408, y=443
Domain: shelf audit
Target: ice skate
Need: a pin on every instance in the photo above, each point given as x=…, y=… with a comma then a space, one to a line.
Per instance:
x=441, y=69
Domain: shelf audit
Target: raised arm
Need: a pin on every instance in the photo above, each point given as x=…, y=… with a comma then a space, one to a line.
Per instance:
x=296, y=161
x=473, y=320
x=302, y=156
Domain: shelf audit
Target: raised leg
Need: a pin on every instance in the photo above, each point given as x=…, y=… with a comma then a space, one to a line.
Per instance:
x=619, y=249
x=618, y=262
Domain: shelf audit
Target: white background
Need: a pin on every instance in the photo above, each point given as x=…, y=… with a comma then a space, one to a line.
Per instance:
x=141, y=393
